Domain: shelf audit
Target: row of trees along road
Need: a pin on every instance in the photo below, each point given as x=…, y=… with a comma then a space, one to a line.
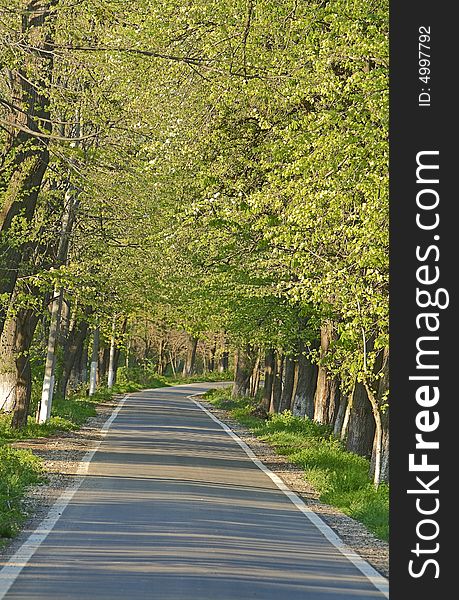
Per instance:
x=192, y=183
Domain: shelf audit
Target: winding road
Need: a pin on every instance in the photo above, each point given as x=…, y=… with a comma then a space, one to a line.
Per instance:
x=173, y=508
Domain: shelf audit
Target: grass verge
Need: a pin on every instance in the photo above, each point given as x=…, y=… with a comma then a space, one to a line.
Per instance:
x=18, y=470
x=340, y=477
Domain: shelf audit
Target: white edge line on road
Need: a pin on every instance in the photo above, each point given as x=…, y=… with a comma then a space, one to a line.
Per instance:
x=380, y=582
x=19, y=560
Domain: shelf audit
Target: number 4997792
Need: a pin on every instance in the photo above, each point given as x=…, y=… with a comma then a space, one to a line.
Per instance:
x=424, y=54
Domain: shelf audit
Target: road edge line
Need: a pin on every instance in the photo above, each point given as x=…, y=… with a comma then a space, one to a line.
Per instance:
x=378, y=580
x=14, y=566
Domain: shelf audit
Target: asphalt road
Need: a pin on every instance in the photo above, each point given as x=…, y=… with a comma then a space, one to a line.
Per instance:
x=174, y=509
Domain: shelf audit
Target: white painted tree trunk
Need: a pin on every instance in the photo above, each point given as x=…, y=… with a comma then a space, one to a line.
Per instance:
x=8, y=373
x=48, y=380
x=70, y=207
x=111, y=363
x=94, y=362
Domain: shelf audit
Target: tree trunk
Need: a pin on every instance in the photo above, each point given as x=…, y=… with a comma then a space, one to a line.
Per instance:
x=160, y=363
x=327, y=387
x=224, y=362
x=116, y=361
x=111, y=362
x=23, y=393
x=24, y=161
x=26, y=322
x=172, y=363
x=379, y=469
x=190, y=363
x=334, y=401
x=255, y=377
x=340, y=415
x=287, y=390
x=102, y=365
x=361, y=427
x=277, y=384
x=94, y=362
x=44, y=410
x=213, y=351
x=8, y=376
x=347, y=415
x=84, y=363
x=244, y=368
x=380, y=472
x=73, y=356
x=269, y=378
x=303, y=404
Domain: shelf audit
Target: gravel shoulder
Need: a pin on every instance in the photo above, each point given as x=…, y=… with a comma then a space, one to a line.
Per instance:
x=62, y=454
x=354, y=534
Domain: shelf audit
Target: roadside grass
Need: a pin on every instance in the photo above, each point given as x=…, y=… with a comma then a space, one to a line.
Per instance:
x=340, y=477
x=18, y=470
x=144, y=377
x=66, y=415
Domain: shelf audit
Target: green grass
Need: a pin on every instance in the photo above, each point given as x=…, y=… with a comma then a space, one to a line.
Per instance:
x=147, y=378
x=18, y=470
x=340, y=477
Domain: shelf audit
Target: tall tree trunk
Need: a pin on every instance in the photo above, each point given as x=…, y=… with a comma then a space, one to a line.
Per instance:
x=73, y=355
x=26, y=322
x=303, y=404
x=172, y=363
x=8, y=375
x=116, y=361
x=15, y=376
x=269, y=378
x=334, y=401
x=94, y=362
x=84, y=363
x=44, y=411
x=244, y=368
x=160, y=363
x=190, y=363
x=24, y=161
x=287, y=390
x=111, y=363
x=68, y=218
x=277, y=384
x=347, y=416
x=379, y=469
x=255, y=377
x=224, y=362
x=361, y=427
x=102, y=364
x=340, y=415
x=213, y=351
x=327, y=387
x=127, y=358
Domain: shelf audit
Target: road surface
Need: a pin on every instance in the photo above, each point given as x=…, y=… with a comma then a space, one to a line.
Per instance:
x=173, y=508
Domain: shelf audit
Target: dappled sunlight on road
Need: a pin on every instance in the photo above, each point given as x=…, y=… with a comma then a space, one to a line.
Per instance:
x=173, y=509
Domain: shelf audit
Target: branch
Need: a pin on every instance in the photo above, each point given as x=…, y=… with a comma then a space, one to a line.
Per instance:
x=46, y=136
